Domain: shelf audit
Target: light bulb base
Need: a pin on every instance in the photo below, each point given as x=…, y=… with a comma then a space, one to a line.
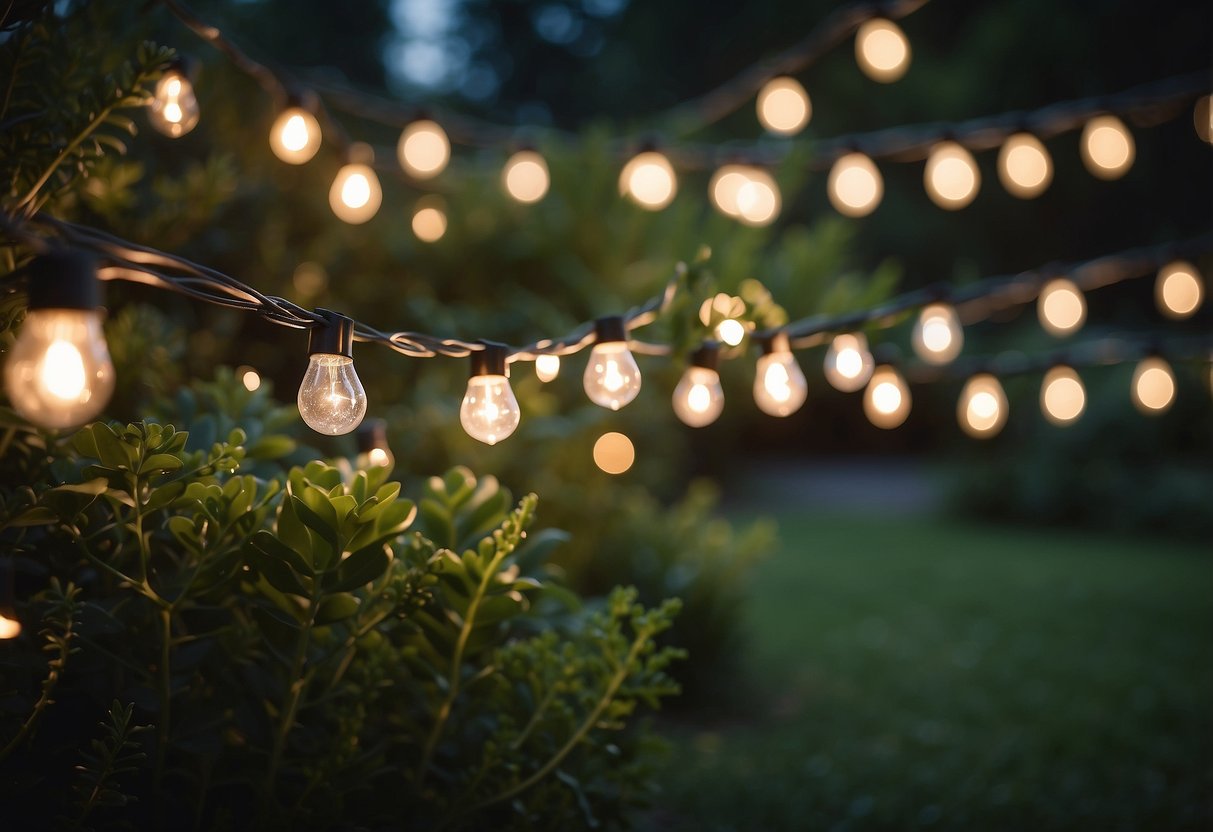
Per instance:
x=64, y=280
x=706, y=356
x=372, y=435
x=490, y=361
x=332, y=335
x=610, y=329
x=777, y=341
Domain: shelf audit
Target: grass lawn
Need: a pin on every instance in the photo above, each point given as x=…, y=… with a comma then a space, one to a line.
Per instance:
x=924, y=674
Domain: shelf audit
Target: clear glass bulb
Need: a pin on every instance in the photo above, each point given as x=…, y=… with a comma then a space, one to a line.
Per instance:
x=611, y=378
x=59, y=373
x=699, y=398
x=855, y=185
x=1024, y=166
x=982, y=409
x=848, y=364
x=355, y=195
x=938, y=336
x=886, y=402
x=951, y=176
x=295, y=136
x=780, y=388
x=331, y=399
x=1062, y=396
x=489, y=411
x=547, y=367
x=174, y=107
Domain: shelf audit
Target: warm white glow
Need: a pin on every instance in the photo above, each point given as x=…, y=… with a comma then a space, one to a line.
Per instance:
x=525, y=176
x=1178, y=290
x=780, y=388
x=295, y=136
x=725, y=184
x=1024, y=166
x=982, y=410
x=649, y=180
x=547, y=367
x=938, y=336
x=174, y=108
x=489, y=412
x=951, y=177
x=1202, y=117
x=355, y=195
x=611, y=377
x=1061, y=307
x=59, y=372
x=1062, y=396
x=423, y=149
x=614, y=453
x=1153, y=386
x=251, y=380
x=379, y=457
x=758, y=199
x=730, y=331
x=855, y=185
x=886, y=402
x=882, y=50
x=699, y=398
x=429, y=223
x=848, y=364
x=9, y=627
x=1107, y=147
x=784, y=106
x=331, y=398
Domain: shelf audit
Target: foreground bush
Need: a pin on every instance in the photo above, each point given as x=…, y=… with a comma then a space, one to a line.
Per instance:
x=206, y=648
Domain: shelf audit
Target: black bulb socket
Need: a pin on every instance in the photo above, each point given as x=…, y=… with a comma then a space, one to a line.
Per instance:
x=777, y=341
x=372, y=435
x=64, y=279
x=707, y=356
x=610, y=329
x=490, y=361
x=333, y=334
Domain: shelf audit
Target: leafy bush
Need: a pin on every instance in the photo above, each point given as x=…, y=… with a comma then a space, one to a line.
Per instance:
x=306, y=648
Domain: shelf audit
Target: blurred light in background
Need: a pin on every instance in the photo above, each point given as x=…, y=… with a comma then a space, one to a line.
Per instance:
x=758, y=199
x=614, y=453
x=699, y=398
x=1107, y=147
x=882, y=51
x=547, y=367
x=249, y=377
x=848, y=364
x=886, y=402
x=951, y=177
x=784, y=106
x=780, y=388
x=1178, y=290
x=295, y=136
x=855, y=185
x=648, y=178
x=423, y=149
x=1202, y=117
x=1062, y=396
x=1024, y=166
x=1153, y=386
x=526, y=176
x=429, y=220
x=10, y=627
x=356, y=195
x=1061, y=307
x=730, y=331
x=982, y=411
x=938, y=336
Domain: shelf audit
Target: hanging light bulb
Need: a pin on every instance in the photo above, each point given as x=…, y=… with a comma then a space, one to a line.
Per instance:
x=1062, y=396
x=1061, y=307
x=886, y=401
x=1153, y=386
x=59, y=372
x=1178, y=290
x=649, y=180
x=611, y=378
x=758, y=199
x=355, y=195
x=331, y=398
x=547, y=367
x=1024, y=166
x=848, y=364
x=780, y=388
x=699, y=398
x=725, y=184
x=423, y=149
x=784, y=106
x=295, y=137
x=10, y=627
x=1202, y=118
x=614, y=453
x=731, y=331
x=938, y=336
x=373, y=448
x=951, y=177
x=1107, y=147
x=429, y=220
x=855, y=185
x=249, y=377
x=982, y=410
x=525, y=176
x=174, y=108
x=489, y=412
x=882, y=51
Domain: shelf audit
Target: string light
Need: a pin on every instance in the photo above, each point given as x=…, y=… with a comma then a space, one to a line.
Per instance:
x=423, y=149
x=699, y=398
x=355, y=195
x=525, y=176
x=547, y=367
x=1024, y=166
x=730, y=331
x=951, y=176
x=614, y=453
x=373, y=448
x=1178, y=290
x=611, y=377
x=855, y=185
x=758, y=199
x=783, y=106
x=848, y=364
x=882, y=51
x=1107, y=147
x=10, y=627
x=1153, y=386
x=780, y=388
x=173, y=110
x=489, y=412
x=1061, y=307
x=331, y=398
x=59, y=373
x=982, y=410
x=249, y=377
x=295, y=137
x=938, y=336
x=886, y=401
x=429, y=219
x=1202, y=117
x=648, y=179
x=725, y=184
x=1062, y=396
